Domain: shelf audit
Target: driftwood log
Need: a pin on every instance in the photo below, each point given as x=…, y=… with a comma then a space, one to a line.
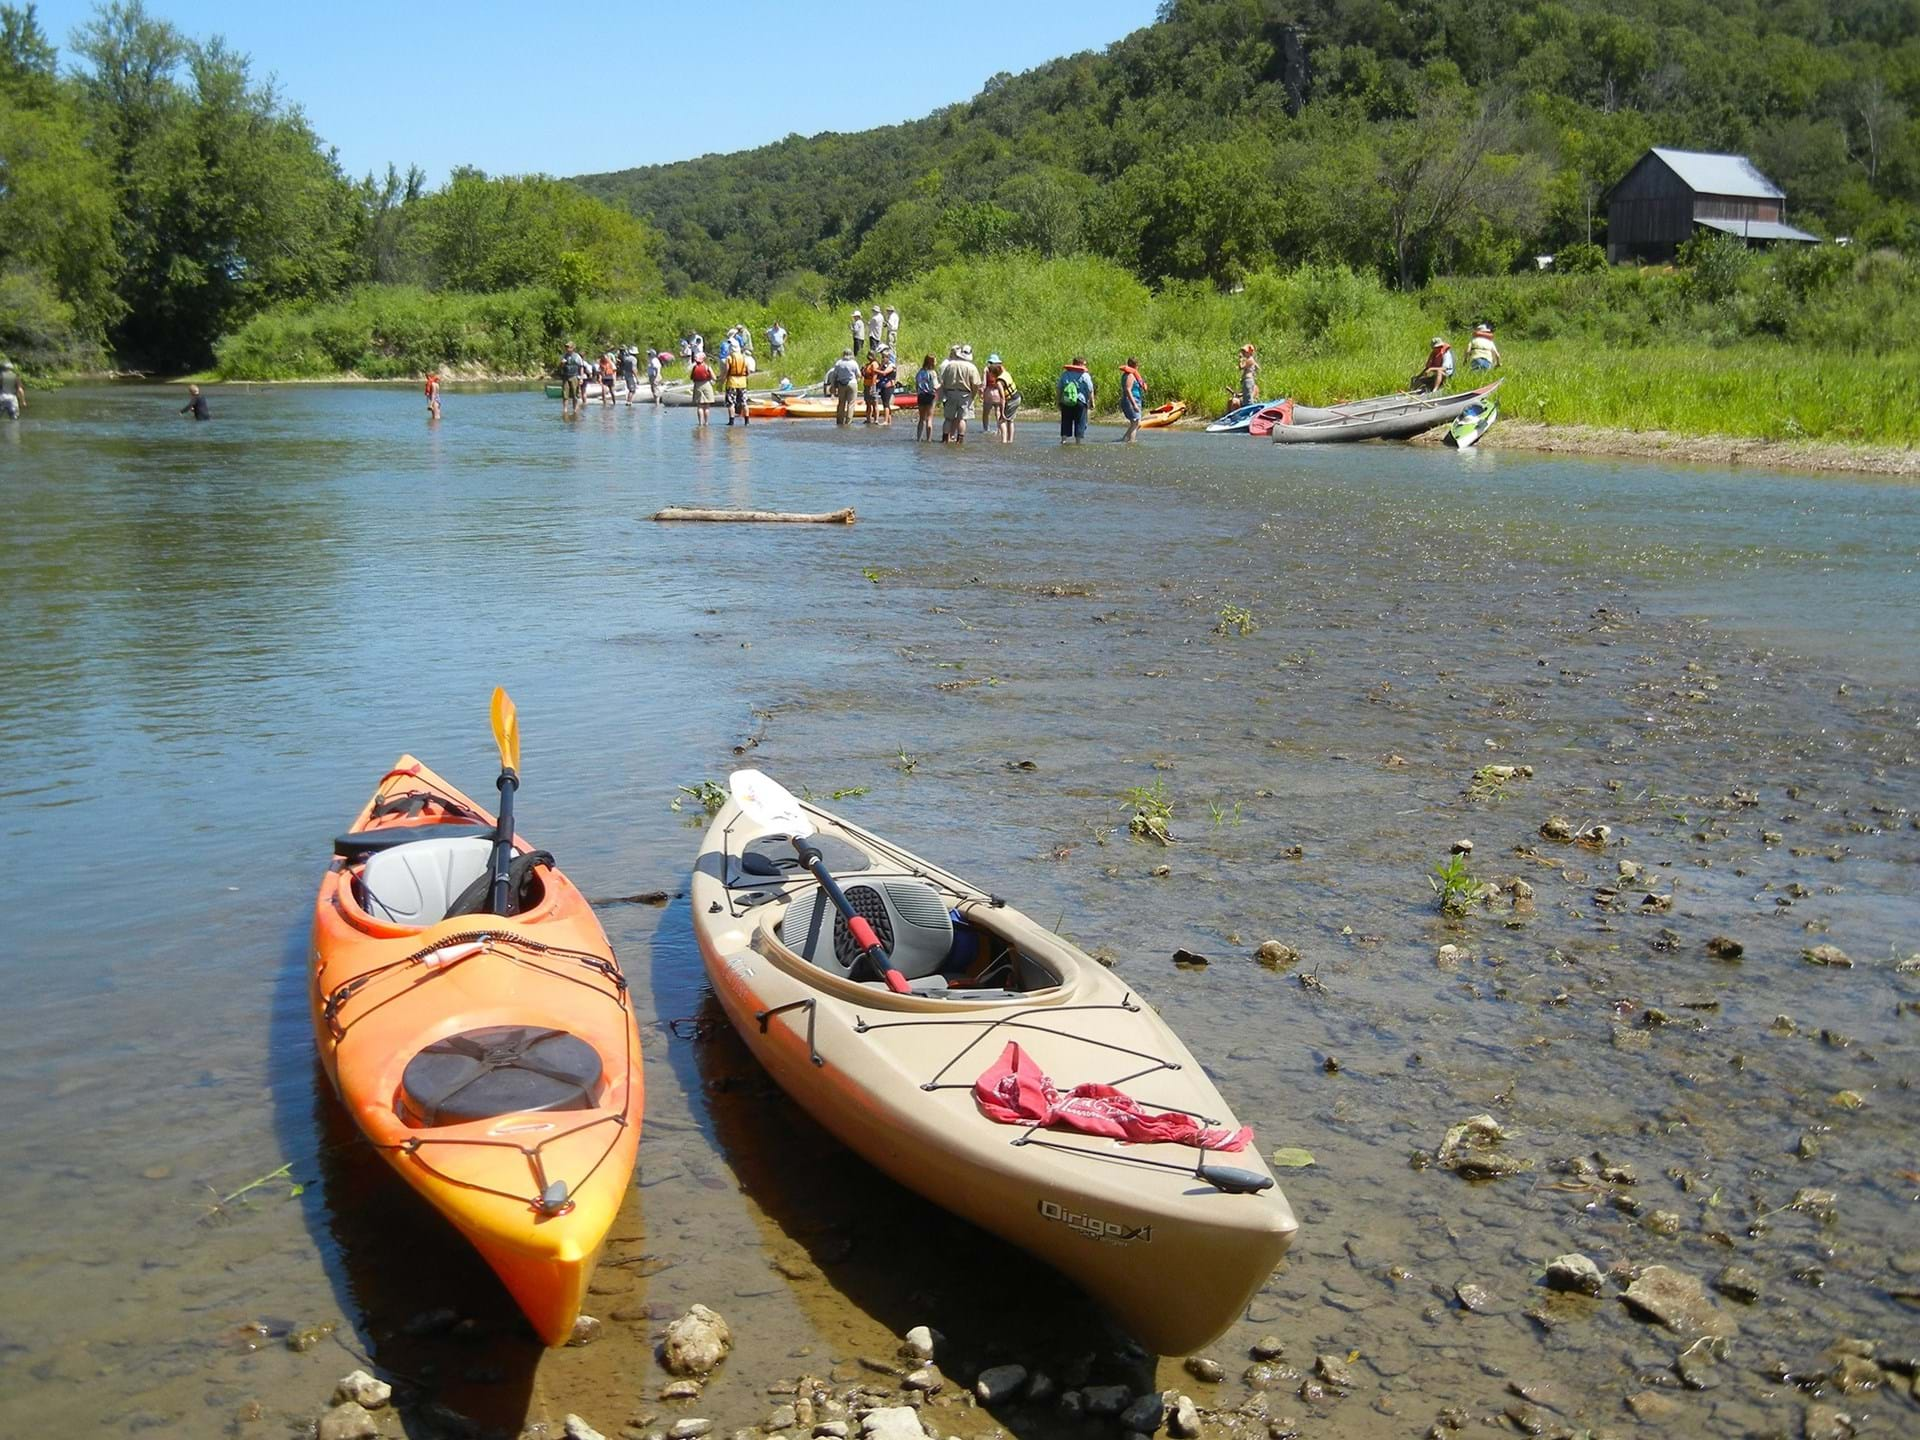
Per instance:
x=785, y=517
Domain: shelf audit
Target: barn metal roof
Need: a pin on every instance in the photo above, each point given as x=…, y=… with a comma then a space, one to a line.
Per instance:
x=1758, y=230
x=1706, y=174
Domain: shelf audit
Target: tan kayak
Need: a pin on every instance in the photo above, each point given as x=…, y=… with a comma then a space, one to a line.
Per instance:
x=1173, y=1238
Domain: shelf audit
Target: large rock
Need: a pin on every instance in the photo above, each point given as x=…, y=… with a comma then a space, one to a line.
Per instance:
x=1000, y=1383
x=895, y=1422
x=1678, y=1301
x=1576, y=1273
x=362, y=1389
x=347, y=1422
x=575, y=1428
x=691, y=1428
x=1184, y=1422
x=1145, y=1415
x=917, y=1343
x=1106, y=1399
x=695, y=1343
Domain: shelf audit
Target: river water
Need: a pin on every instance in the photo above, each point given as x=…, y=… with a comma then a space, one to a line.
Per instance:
x=218, y=636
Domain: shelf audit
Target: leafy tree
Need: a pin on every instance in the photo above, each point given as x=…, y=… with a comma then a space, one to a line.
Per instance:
x=1440, y=175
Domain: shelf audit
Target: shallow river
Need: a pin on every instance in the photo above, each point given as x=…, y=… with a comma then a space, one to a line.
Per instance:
x=218, y=636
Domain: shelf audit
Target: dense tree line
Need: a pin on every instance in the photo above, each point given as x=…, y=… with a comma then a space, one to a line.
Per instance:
x=1456, y=137
x=154, y=196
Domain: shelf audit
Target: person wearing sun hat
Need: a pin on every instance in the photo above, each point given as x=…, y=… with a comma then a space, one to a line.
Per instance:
x=1482, y=353
x=1249, y=375
x=1438, y=369
x=859, y=329
x=998, y=399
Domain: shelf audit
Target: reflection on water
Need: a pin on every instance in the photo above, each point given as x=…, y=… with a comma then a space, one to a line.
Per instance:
x=218, y=636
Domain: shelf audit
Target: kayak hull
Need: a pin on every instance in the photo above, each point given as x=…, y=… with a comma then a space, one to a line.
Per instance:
x=1176, y=1260
x=1161, y=416
x=376, y=1005
x=1407, y=417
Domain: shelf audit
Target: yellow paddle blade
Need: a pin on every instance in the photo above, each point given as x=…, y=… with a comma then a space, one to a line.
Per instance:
x=506, y=729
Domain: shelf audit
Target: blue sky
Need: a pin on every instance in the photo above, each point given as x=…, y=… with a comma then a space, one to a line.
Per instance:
x=492, y=84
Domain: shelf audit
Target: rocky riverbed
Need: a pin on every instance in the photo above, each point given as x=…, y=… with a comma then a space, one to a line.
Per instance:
x=1563, y=944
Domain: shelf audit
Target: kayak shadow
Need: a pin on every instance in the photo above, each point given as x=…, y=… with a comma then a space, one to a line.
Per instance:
x=424, y=1308
x=894, y=1256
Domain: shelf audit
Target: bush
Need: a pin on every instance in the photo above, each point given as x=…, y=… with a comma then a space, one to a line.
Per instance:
x=1580, y=259
x=1716, y=264
x=38, y=330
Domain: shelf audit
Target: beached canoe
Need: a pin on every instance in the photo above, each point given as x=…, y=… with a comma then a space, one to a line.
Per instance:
x=1235, y=422
x=492, y=1060
x=1162, y=416
x=1174, y=1239
x=1413, y=415
x=1472, y=423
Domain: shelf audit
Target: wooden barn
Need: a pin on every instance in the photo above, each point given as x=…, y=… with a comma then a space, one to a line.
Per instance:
x=1668, y=195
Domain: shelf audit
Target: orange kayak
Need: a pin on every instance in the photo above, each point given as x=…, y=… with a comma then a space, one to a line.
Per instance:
x=1162, y=416
x=492, y=1060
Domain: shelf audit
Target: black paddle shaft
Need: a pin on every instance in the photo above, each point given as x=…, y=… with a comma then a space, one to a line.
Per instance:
x=503, y=844
x=870, y=947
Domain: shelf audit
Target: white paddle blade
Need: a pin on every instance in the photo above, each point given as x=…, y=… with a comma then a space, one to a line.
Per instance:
x=768, y=803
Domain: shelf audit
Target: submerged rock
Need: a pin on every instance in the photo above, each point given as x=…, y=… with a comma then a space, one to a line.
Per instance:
x=1276, y=956
x=1737, y=1282
x=894, y=1422
x=346, y=1421
x=1145, y=1415
x=695, y=1343
x=1575, y=1273
x=362, y=1389
x=917, y=1343
x=1829, y=955
x=1724, y=947
x=1203, y=1368
x=1000, y=1383
x=1678, y=1301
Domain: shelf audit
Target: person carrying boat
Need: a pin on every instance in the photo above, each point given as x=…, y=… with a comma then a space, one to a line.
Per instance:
x=1482, y=353
x=1249, y=375
x=13, y=395
x=1076, y=400
x=1438, y=369
x=739, y=367
x=1133, y=397
x=959, y=383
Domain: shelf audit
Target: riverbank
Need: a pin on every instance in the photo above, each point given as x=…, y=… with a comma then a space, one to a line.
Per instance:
x=1730, y=450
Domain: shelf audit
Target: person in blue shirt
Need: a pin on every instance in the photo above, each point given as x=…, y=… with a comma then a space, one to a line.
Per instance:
x=1076, y=400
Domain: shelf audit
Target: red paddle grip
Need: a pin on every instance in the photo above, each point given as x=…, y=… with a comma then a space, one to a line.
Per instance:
x=864, y=937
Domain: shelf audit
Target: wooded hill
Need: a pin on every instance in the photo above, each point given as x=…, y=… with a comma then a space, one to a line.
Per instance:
x=1438, y=136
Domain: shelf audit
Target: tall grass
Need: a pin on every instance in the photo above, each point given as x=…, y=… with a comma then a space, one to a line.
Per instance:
x=1794, y=347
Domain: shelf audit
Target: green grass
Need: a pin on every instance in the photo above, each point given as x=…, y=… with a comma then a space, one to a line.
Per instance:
x=1632, y=349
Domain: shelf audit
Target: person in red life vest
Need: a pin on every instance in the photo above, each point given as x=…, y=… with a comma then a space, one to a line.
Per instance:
x=433, y=395
x=1438, y=370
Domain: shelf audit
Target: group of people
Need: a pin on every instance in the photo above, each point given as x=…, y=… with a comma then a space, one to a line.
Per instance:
x=1436, y=372
x=616, y=371
x=875, y=332
x=960, y=388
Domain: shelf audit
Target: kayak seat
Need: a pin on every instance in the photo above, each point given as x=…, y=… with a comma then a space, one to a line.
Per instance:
x=909, y=916
x=417, y=884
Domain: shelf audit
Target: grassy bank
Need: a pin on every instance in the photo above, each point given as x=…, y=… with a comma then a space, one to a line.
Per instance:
x=1789, y=348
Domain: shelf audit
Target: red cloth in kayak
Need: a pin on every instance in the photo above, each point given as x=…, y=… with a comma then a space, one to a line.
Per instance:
x=1014, y=1091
